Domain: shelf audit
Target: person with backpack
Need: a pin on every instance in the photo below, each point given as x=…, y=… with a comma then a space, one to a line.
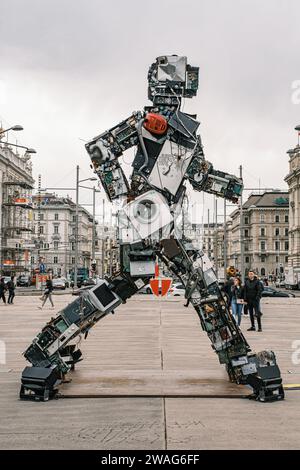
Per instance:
x=2, y=290
x=252, y=295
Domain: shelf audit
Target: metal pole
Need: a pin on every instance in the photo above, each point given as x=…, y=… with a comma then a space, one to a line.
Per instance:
x=242, y=233
x=225, y=241
x=37, y=279
x=94, y=223
x=208, y=235
x=76, y=226
x=216, y=237
x=103, y=241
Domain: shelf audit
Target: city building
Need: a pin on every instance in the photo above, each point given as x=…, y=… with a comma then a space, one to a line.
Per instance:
x=203, y=236
x=54, y=235
x=265, y=234
x=109, y=259
x=293, y=181
x=16, y=218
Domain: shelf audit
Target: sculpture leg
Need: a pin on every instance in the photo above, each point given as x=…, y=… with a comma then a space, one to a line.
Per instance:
x=194, y=268
x=50, y=353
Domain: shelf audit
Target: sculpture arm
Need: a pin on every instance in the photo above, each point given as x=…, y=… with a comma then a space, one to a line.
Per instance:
x=203, y=177
x=105, y=150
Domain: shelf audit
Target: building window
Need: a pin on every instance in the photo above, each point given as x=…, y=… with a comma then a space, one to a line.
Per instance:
x=277, y=246
x=262, y=217
x=286, y=218
x=263, y=246
x=55, y=260
x=41, y=216
x=263, y=258
x=56, y=229
x=72, y=246
x=41, y=229
x=277, y=219
x=55, y=216
x=286, y=246
x=277, y=232
x=55, y=245
x=247, y=259
x=263, y=272
x=286, y=259
x=262, y=232
x=74, y=218
x=46, y=246
x=73, y=260
x=32, y=260
x=277, y=259
x=246, y=233
x=286, y=232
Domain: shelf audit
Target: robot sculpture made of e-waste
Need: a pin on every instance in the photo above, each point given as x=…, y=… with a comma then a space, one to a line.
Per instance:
x=169, y=154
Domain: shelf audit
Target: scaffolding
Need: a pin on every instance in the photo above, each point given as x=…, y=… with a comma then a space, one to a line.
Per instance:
x=17, y=226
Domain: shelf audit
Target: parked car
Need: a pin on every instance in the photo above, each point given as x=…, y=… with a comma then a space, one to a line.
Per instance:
x=271, y=292
x=59, y=283
x=23, y=281
x=67, y=284
x=177, y=290
x=88, y=282
x=6, y=279
x=145, y=290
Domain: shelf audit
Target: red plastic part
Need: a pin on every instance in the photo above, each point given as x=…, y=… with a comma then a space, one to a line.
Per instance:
x=155, y=123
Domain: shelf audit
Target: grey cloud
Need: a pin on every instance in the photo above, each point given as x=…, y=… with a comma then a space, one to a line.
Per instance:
x=73, y=68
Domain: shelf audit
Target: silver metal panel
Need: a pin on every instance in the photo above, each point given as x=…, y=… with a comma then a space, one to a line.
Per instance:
x=142, y=268
x=170, y=167
x=63, y=338
x=171, y=68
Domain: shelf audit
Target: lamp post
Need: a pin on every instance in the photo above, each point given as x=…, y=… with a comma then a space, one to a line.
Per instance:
x=28, y=149
x=242, y=247
x=17, y=127
x=77, y=218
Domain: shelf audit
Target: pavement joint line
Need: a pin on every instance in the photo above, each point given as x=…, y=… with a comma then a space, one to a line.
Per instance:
x=163, y=396
x=151, y=396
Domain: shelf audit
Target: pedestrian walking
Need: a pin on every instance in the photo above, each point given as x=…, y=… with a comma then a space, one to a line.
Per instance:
x=11, y=290
x=252, y=295
x=237, y=300
x=48, y=293
x=2, y=290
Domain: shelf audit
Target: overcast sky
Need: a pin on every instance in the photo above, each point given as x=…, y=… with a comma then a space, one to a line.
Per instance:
x=71, y=69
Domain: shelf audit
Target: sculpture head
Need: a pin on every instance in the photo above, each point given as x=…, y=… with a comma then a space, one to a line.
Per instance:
x=170, y=78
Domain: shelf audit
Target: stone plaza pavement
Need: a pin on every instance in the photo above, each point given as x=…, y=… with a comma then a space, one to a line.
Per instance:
x=150, y=381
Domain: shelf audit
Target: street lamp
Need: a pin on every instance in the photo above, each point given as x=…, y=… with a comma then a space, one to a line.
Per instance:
x=28, y=149
x=17, y=127
x=77, y=218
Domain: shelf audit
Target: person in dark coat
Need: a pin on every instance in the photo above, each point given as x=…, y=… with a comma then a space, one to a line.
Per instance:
x=252, y=295
x=2, y=290
x=11, y=290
